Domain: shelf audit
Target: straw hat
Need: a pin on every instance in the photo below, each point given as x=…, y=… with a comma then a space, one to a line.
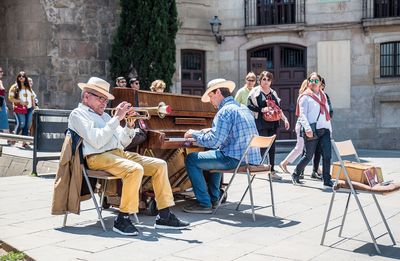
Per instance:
x=215, y=84
x=99, y=85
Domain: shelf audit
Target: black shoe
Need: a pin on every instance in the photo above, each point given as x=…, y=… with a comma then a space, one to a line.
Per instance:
x=214, y=204
x=328, y=184
x=172, y=222
x=301, y=176
x=296, y=179
x=123, y=226
x=197, y=209
x=316, y=175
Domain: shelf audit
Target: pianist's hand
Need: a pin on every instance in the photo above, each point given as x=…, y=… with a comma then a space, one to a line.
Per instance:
x=188, y=134
x=122, y=109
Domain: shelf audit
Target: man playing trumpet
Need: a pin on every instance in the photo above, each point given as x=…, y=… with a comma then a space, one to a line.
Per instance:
x=103, y=143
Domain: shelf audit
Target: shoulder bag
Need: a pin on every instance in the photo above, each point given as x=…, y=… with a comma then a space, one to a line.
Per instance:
x=20, y=109
x=274, y=114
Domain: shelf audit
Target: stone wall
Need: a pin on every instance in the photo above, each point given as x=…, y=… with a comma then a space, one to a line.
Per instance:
x=58, y=43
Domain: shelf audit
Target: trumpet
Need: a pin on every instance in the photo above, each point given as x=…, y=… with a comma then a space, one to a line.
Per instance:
x=144, y=112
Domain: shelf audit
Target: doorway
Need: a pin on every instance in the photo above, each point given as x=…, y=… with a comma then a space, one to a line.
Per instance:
x=288, y=64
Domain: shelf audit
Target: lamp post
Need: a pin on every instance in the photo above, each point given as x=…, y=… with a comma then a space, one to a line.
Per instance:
x=215, y=26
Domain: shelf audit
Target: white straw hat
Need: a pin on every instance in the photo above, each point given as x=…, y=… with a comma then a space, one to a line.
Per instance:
x=215, y=84
x=99, y=85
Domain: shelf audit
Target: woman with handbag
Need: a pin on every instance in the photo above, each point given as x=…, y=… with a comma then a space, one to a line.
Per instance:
x=313, y=111
x=23, y=99
x=265, y=104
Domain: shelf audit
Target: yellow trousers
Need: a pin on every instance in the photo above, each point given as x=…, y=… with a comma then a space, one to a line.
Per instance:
x=131, y=167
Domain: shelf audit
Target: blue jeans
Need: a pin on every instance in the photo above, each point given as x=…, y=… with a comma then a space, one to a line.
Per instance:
x=324, y=144
x=23, y=122
x=205, y=160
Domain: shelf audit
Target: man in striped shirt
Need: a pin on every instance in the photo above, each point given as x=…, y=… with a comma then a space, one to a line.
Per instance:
x=232, y=129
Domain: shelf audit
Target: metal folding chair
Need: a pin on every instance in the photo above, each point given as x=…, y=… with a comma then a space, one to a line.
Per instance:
x=251, y=171
x=346, y=148
x=98, y=204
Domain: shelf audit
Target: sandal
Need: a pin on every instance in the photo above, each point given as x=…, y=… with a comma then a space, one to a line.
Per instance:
x=283, y=167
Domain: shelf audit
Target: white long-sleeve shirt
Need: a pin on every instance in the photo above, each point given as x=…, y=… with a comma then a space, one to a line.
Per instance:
x=309, y=110
x=99, y=133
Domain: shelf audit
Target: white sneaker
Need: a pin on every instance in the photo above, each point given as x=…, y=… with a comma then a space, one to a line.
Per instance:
x=275, y=176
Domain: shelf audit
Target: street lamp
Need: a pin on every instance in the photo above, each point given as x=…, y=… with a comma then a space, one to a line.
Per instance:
x=215, y=26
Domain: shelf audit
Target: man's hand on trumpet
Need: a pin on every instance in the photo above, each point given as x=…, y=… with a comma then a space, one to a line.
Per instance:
x=123, y=109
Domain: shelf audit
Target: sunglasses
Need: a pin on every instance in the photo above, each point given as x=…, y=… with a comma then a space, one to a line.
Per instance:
x=266, y=79
x=100, y=98
x=21, y=76
x=316, y=81
x=250, y=80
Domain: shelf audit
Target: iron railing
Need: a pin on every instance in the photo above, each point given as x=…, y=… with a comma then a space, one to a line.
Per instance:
x=274, y=12
x=381, y=8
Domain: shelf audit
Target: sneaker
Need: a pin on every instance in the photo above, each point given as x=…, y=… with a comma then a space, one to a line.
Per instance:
x=197, y=209
x=296, y=179
x=123, y=226
x=172, y=222
x=214, y=204
x=275, y=176
x=328, y=184
x=316, y=175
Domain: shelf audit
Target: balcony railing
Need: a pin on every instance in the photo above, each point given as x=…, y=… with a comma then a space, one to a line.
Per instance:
x=274, y=12
x=381, y=8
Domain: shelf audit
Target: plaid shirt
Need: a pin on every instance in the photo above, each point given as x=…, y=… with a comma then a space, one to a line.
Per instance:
x=232, y=129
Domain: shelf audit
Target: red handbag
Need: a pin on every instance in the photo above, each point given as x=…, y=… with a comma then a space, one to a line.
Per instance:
x=21, y=109
x=274, y=114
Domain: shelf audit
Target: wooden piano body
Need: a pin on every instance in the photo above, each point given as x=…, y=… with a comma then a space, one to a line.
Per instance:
x=165, y=135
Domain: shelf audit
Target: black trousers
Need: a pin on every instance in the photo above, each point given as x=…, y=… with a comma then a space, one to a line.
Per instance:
x=324, y=143
x=271, y=152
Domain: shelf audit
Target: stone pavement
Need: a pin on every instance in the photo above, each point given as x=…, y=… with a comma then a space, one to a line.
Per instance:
x=294, y=234
x=16, y=160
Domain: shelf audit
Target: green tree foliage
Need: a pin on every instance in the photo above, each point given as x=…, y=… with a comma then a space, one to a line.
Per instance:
x=144, y=44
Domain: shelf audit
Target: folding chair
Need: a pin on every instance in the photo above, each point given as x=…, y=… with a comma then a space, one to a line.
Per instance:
x=98, y=204
x=251, y=171
x=346, y=148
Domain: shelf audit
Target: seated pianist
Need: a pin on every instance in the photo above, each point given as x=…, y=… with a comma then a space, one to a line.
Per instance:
x=232, y=129
x=103, y=142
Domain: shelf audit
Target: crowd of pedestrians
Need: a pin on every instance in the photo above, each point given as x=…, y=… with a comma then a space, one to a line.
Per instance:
x=313, y=126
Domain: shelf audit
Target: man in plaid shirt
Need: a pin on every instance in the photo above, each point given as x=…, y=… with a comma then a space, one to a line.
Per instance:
x=232, y=129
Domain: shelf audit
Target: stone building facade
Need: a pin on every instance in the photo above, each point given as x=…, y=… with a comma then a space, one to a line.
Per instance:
x=62, y=42
x=58, y=43
x=342, y=40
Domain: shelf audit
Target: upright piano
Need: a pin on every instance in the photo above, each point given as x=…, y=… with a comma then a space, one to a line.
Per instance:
x=165, y=135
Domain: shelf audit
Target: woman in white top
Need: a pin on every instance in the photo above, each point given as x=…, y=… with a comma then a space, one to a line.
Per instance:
x=23, y=99
x=313, y=110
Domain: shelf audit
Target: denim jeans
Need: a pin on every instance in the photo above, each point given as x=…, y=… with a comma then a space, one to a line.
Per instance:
x=23, y=122
x=196, y=162
x=324, y=144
